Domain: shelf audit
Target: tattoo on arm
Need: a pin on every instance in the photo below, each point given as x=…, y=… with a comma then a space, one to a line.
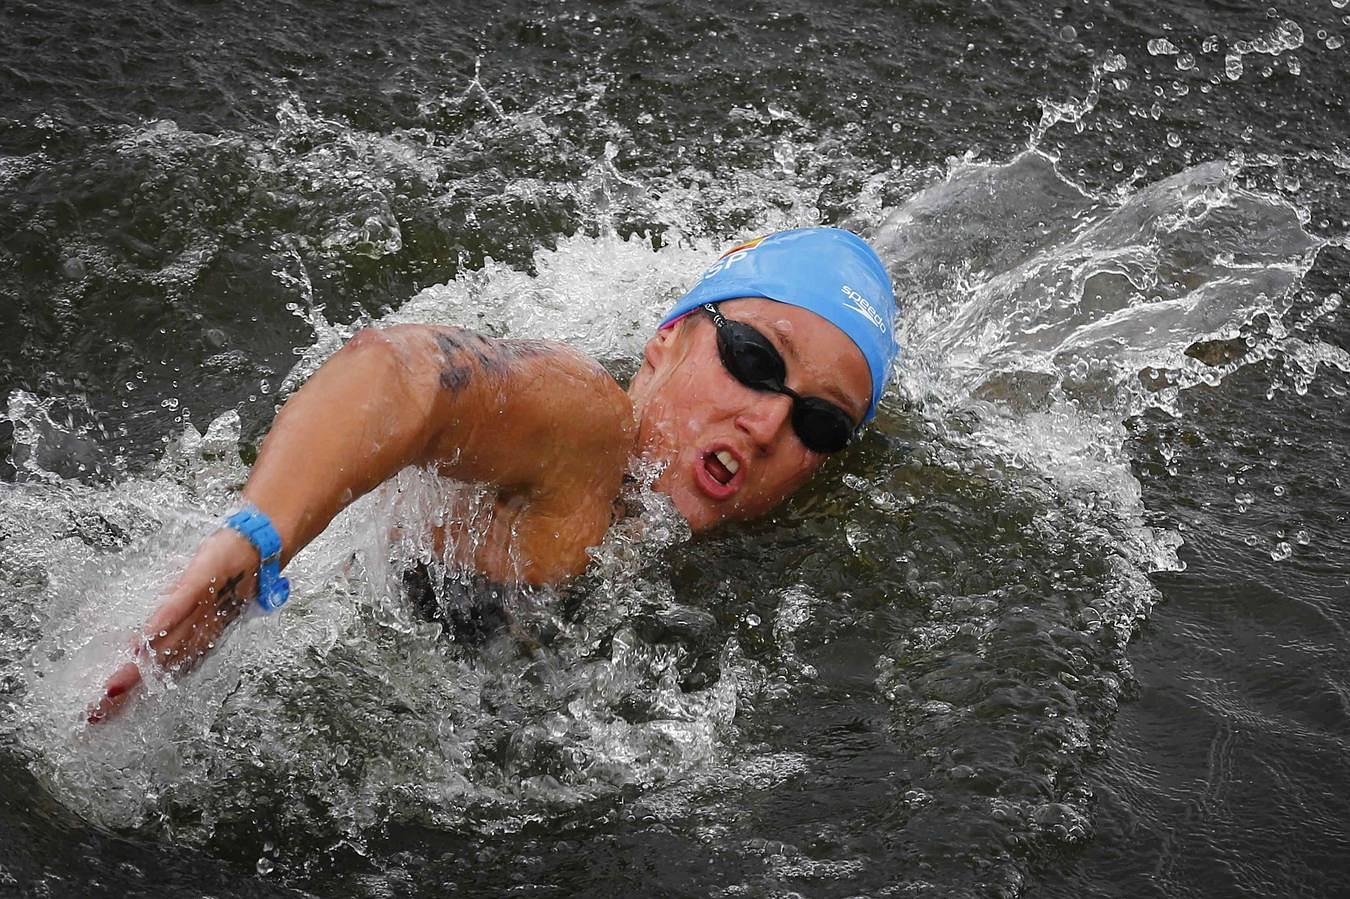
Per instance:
x=454, y=373
x=462, y=350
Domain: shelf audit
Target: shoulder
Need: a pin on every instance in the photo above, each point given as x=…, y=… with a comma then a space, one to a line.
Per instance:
x=576, y=403
x=549, y=410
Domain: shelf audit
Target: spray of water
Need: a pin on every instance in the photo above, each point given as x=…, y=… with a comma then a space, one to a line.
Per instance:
x=1039, y=319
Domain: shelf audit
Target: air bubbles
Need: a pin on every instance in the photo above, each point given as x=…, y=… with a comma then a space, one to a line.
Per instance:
x=1301, y=537
x=1232, y=66
x=1068, y=33
x=1335, y=42
x=1185, y=62
x=1114, y=62
x=1173, y=139
x=73, y=269
x=855, y=535
x=1244, y=501
x=1281, y=551
x=265, y=866
x=1161, y=46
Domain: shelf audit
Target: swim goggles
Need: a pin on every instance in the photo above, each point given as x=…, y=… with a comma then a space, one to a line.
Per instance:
x=821, y=426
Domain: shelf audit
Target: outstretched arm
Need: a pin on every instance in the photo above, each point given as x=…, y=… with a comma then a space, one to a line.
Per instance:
x=476, y=408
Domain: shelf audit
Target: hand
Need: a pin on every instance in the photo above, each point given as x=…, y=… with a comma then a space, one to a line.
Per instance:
x=217, y=585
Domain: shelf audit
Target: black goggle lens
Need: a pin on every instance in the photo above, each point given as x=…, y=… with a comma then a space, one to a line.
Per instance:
x=748, y=355
x=821, y=425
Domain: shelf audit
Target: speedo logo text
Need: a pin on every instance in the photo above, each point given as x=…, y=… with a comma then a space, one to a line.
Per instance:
x=860, y=305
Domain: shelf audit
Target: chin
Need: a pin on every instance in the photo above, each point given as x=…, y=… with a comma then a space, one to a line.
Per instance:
x=693, y=507
x=697, y=513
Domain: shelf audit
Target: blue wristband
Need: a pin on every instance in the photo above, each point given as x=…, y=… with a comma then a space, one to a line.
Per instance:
x=273, y=589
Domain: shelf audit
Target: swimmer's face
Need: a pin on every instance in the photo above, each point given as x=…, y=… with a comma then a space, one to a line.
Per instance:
x=730, y=450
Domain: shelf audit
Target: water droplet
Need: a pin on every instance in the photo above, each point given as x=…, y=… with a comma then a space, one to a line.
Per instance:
x=1068, y=33
x=1279, y=490
x=1335, y=42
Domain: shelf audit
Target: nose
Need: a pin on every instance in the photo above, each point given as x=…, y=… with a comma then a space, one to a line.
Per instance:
x=765, y=418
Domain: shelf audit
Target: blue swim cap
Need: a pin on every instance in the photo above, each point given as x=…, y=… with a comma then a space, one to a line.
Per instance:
x=833, y=273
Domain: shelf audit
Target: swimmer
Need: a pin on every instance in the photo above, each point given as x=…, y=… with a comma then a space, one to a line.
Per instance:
x=773, y=361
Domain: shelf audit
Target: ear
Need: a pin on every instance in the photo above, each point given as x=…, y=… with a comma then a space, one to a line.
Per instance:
x=660, y=355
x=662, y=346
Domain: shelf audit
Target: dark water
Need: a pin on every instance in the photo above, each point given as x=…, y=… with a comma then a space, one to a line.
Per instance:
x=1071, y=620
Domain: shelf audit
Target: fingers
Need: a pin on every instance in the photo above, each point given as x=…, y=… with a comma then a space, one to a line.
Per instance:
x=215, y=588
x=116, y=693
x=178, y=606
x=188, y=641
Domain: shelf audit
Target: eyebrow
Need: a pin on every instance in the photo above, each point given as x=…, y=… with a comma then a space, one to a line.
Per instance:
x=831, y=391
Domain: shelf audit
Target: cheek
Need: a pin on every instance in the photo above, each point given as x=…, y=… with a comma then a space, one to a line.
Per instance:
x=780, y=482
x=681, y=406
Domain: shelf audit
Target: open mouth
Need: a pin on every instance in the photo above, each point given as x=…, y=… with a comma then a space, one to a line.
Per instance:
x=721, y=466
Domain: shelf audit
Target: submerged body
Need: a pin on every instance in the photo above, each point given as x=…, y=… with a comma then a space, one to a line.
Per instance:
x=739, y=406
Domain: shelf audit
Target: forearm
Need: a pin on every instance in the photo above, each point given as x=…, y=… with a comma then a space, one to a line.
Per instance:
x=359, y=419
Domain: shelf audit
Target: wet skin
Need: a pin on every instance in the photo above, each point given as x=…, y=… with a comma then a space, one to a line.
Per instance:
x=549, y=428
x=689, y=407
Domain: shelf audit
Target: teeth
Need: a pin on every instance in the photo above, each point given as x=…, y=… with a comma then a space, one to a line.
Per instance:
x=728, y=460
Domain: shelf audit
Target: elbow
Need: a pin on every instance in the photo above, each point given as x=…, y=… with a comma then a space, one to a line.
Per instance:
x=377, y=367
x=381, y=353
x=367, y=341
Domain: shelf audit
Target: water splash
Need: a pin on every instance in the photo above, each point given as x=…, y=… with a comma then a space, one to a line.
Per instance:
x=1007, y=552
